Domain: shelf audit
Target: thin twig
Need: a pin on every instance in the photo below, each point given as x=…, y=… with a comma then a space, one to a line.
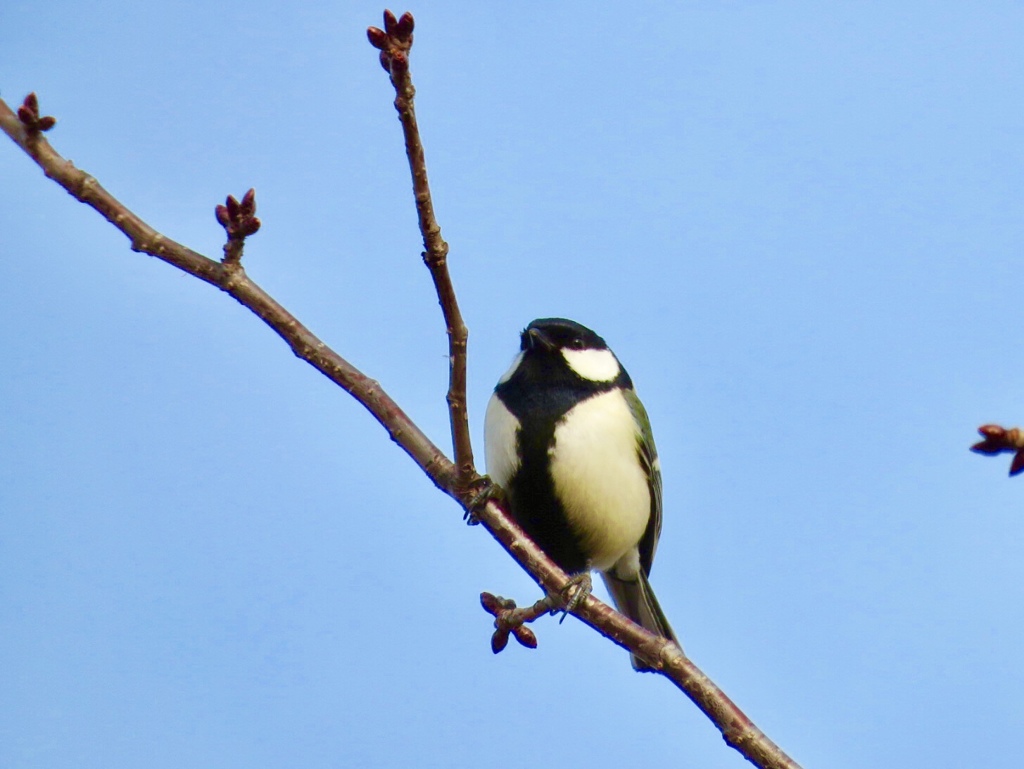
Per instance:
x=395, y=43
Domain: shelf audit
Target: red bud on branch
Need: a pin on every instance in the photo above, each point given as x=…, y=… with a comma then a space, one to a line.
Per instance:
x=403, y=30
x=28, y=114
x=499, y=640
x=378, y=37
x=239, y=222
x=998, y=440
x=525, y=636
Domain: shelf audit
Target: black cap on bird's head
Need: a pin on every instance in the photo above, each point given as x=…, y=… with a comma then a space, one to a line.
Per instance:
x=554, y=334
x=557, y=351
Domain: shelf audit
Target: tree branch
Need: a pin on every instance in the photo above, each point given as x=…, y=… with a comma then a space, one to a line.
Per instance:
x=26, y=128
x=394, y=43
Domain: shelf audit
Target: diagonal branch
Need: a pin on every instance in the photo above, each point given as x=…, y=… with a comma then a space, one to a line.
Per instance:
x=395, y=43
x=26, y=128
x=230, y=277
x=737, y=729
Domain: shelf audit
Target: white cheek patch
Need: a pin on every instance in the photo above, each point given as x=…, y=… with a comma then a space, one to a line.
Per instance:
x=501, y=430
x=593, y=365
x=511, y=369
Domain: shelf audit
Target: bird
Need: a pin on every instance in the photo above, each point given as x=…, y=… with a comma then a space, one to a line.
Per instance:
x=569, y=442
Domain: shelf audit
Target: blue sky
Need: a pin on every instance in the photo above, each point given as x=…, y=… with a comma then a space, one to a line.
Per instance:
x=798, y=224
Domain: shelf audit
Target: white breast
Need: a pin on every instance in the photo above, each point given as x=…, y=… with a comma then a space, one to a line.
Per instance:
x=598, y=477
x=500, y=430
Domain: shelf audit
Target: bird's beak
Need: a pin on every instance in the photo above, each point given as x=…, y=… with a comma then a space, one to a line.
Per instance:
x=535, y=338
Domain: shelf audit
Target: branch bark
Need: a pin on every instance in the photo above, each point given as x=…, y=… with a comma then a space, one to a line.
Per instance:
x=455, y=479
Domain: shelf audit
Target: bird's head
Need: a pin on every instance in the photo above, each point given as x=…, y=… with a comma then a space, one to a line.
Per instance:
x=558, y=344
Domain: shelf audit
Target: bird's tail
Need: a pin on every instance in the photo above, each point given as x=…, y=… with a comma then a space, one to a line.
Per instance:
x=636, y=600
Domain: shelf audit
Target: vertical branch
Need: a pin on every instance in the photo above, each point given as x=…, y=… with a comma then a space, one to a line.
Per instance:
x=394, y=43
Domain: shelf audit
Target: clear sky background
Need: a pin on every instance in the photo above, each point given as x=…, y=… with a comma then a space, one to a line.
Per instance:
x=800, y=225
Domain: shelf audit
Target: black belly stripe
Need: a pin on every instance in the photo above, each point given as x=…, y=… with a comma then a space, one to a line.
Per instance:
x=534, y=504
x=531, y=490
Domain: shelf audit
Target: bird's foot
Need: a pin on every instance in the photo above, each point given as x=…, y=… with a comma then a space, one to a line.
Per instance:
x=510, y=620
x=483, y=492
x=574, y=594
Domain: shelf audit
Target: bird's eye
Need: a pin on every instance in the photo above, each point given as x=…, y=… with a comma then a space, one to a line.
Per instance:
x=577, y=344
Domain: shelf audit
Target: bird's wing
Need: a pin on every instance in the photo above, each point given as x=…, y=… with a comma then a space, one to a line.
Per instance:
x=649, y=459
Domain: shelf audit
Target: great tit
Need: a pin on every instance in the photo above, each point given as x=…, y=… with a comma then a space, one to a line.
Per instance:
x=570, y=443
